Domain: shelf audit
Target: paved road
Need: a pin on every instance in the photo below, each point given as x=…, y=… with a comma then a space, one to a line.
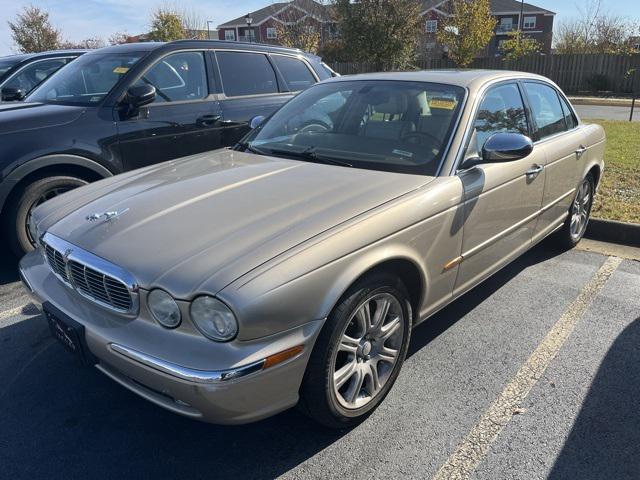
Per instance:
x=608, y=113
x=579, y=418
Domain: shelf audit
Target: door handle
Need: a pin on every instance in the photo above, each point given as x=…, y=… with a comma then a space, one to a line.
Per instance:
x=534, y=170
x=208, y=119
x=581, y=150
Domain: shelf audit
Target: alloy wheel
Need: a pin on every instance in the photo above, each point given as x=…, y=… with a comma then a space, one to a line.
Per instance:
x=580, y=210
x=368, y=351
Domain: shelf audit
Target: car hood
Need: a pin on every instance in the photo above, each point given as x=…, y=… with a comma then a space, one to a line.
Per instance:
x=213, y=217
x=19, y=116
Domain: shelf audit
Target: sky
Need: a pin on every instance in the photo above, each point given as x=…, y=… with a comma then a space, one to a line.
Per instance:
x=80, y=19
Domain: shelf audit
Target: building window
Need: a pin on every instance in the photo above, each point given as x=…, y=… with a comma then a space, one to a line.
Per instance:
x=506, y=24
x=272, y=33
x=229, y=35
x=431, y=26
x=529, y=22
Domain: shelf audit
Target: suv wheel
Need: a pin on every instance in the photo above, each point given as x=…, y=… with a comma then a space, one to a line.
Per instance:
x=359, y=352
x=19, y=209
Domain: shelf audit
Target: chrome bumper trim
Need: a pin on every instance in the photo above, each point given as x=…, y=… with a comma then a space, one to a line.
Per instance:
x=184, y=373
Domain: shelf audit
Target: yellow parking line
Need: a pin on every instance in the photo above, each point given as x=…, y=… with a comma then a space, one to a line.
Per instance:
x=474, y=447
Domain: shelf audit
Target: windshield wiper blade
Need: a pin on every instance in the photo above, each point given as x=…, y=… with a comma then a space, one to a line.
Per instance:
x=251, y=148
x=310, y=154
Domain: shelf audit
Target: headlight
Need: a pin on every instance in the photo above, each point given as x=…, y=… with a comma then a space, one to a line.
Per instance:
x=213, y=318
x=164, y=308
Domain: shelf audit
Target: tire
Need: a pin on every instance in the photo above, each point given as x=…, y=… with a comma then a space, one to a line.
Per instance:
x=579, y=211
x=349, y=401
x=25, y=200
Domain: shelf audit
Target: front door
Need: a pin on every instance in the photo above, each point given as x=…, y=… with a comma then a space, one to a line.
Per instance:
x=502, y=200
x=184, y=118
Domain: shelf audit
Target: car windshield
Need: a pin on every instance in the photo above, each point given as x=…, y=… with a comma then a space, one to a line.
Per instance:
x=6, y=64
x=85, y=81
x=396, y=126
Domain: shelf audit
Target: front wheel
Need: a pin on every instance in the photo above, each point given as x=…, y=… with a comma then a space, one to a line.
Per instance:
x=19, y=209
x=576, y=223
x=359, y=352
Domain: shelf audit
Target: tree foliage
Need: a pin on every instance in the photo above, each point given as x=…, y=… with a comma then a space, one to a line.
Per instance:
x=518, y=45
x=467, y=31
x=383, y=32
x=166, y=25
x=596, y=31
x=31, y=31
x=298, y=32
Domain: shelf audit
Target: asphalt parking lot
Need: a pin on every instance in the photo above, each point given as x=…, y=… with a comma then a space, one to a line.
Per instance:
x=534, y=374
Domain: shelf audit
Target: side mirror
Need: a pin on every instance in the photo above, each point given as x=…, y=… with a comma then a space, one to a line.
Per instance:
x=12, y=94
x=506, y=147
x=140, y=95
x=256, y=121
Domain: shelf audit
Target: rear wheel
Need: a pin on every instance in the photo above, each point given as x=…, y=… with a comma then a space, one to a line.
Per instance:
x=21, y=206
x=576, y=223
x=359, y=352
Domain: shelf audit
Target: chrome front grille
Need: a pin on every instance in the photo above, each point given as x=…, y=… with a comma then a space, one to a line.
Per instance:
x=91, y=276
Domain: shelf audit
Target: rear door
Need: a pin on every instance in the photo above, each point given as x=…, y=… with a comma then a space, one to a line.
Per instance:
x=184, y=119
x=557, y=133
x=253, y=84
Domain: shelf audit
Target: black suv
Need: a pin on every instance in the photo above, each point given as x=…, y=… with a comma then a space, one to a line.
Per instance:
x=19, y=74
x=128, y=106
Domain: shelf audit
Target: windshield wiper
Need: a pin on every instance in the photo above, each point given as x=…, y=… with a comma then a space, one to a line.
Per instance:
x=309, y=154
x=251, y=148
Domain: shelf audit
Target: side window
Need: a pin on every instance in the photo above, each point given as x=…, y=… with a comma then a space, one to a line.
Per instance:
x=27, y=78
x=571, y=120
x=501, y=111
x=177, y=77
x=546, y=109
x=246, y=74
x=295, y=72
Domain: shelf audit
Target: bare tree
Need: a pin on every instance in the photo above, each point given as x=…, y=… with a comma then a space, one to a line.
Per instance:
x=194, y=23
x=118, y=38
x=595, y=31
x=87, y=43
x=32, y=32
x=298, y=31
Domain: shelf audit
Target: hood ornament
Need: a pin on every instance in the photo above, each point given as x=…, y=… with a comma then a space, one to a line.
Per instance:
x=108, y=216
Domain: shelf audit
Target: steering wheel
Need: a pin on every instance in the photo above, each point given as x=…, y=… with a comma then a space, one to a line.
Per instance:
x=315, y=126
x=419, y=136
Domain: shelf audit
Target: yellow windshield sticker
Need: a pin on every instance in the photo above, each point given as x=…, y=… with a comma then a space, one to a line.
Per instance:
x=120, y=70
x=443, y=103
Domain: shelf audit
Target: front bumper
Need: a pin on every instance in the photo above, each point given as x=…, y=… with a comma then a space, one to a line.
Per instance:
x=181, y=370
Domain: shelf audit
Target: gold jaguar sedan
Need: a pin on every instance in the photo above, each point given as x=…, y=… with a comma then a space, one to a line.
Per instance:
x=291, y=269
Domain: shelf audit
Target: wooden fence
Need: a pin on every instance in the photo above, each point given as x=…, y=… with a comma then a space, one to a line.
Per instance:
x=573, y=73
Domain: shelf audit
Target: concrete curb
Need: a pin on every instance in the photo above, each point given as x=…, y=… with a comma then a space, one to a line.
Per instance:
x=601, y=102
x=614, y=232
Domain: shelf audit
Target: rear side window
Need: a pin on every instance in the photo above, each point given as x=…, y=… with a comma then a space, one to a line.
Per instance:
x=295, y=72
x=571, y=120
x=546, y=109
x=501, y=111
x=33, y=74
x=246, y=74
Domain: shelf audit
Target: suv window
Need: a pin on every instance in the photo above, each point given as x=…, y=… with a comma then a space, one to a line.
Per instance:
x=569, y=118
x=31, y=75
x=501, y=111
x=246, y=73
x=546, y=109
x=294, y=71
x=178, y=77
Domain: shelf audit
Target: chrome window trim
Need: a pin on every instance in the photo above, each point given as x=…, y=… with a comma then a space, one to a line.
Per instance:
x=185, y=373
x=96, y=263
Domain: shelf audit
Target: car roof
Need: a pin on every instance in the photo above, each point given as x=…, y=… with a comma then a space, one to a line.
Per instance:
x=21, y=57
x=462, y=78
x=218, y=44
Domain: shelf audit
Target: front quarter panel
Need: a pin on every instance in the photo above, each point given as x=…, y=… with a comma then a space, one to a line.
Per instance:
x=304, y=284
